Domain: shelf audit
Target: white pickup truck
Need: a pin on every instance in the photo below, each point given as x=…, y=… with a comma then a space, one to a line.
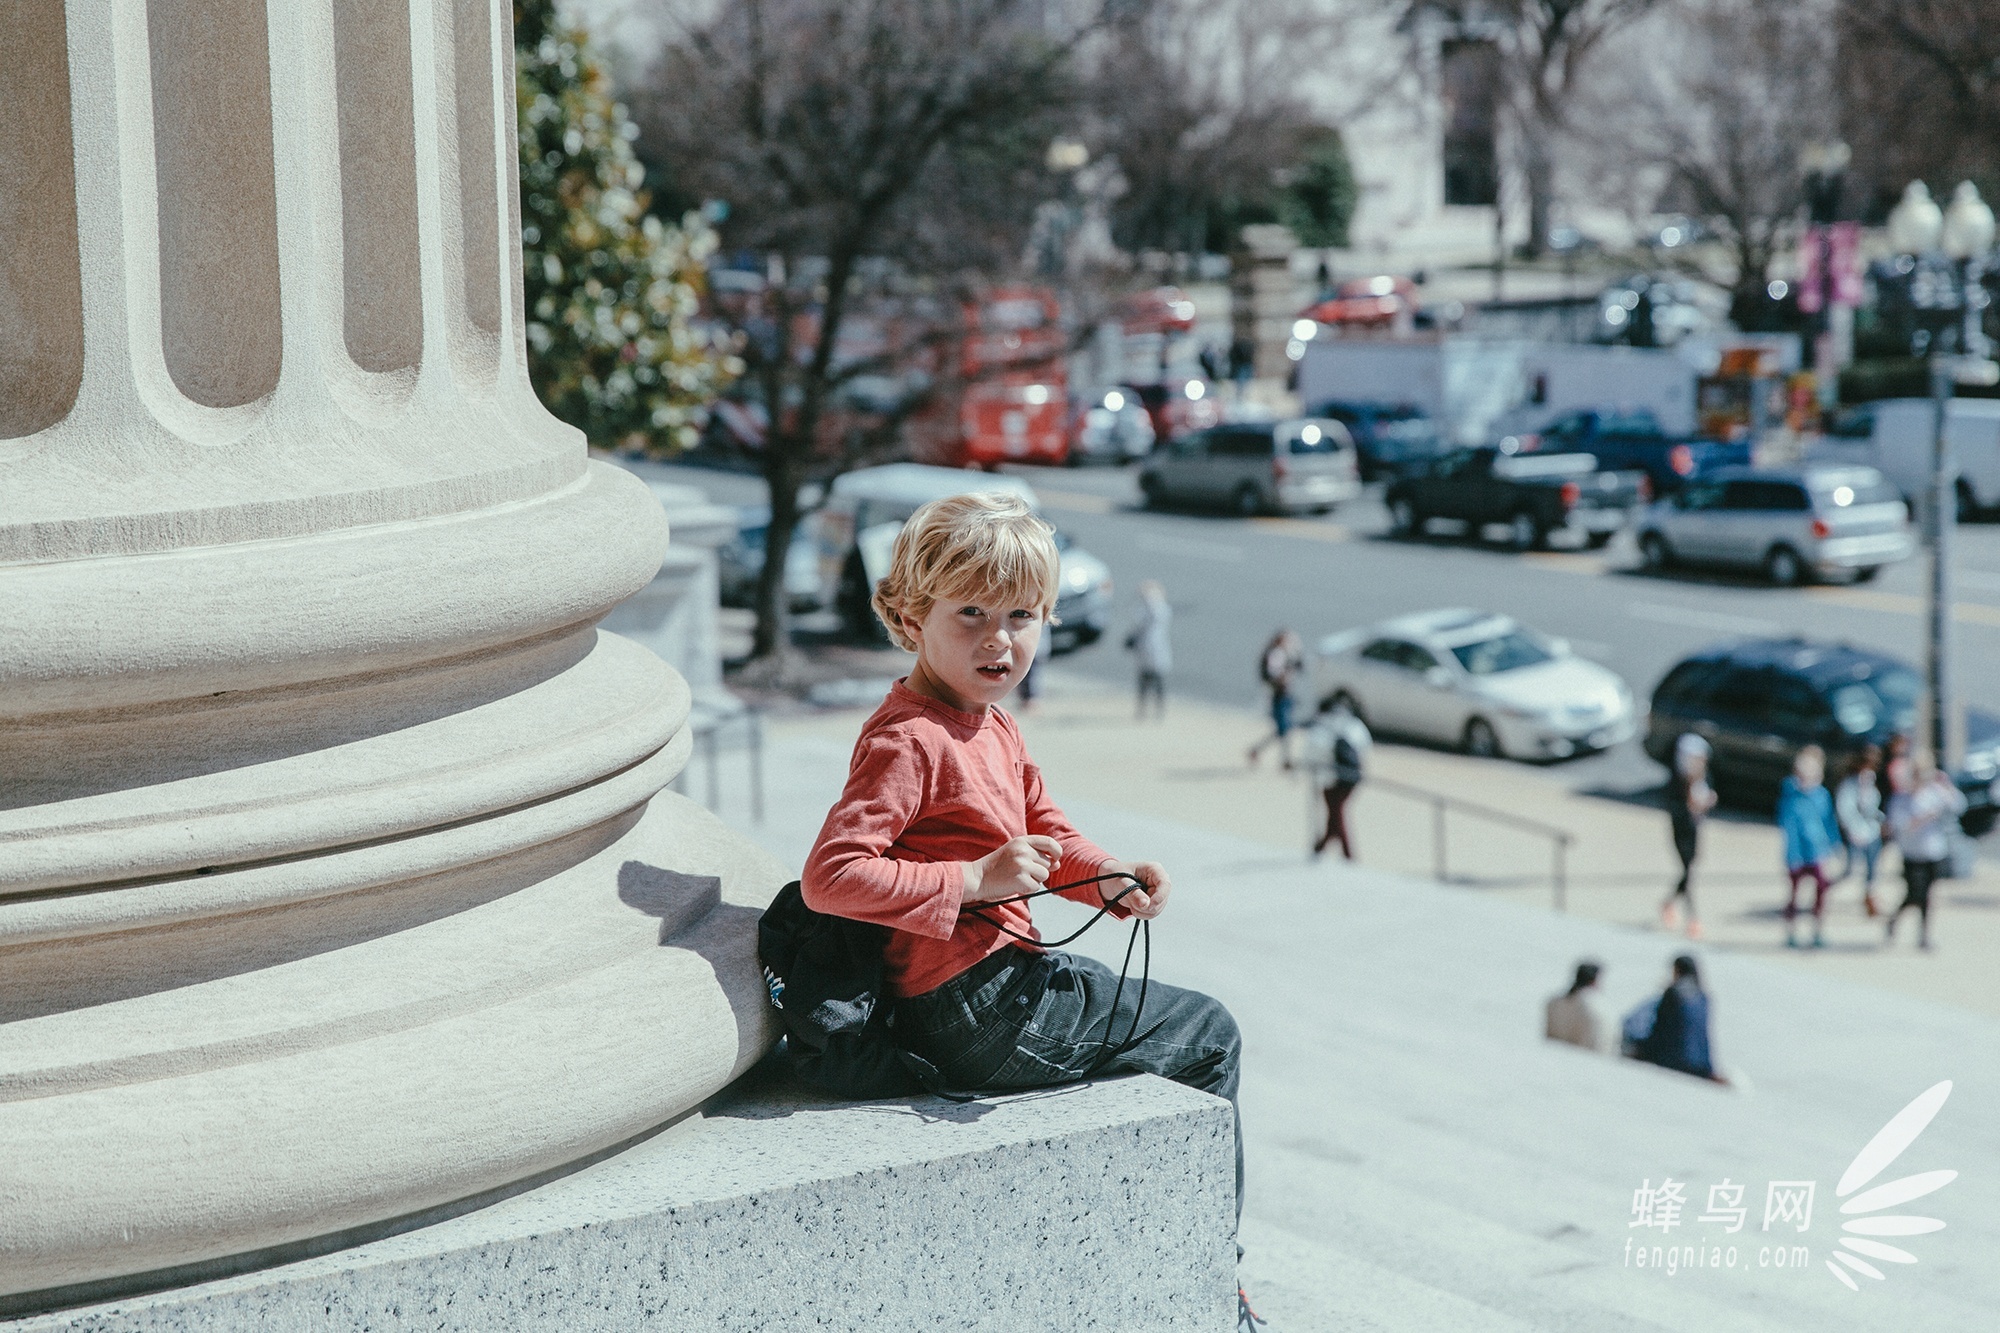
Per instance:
x=1894, y=436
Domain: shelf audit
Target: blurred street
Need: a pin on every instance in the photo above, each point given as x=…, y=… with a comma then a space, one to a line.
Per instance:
x=1232, y=581
x=1190, y=771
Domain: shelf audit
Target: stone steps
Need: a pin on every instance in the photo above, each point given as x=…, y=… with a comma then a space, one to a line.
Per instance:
x=1419, y=1158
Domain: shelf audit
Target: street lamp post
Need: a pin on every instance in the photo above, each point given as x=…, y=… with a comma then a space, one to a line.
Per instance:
x=1826, y=180
x=1965, y=235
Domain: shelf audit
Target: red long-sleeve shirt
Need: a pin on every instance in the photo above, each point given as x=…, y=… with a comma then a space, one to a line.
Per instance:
x=930, y=788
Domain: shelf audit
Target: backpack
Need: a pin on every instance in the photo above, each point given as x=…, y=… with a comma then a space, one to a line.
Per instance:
x=1346, y=760
x=1638, y=1027
x=824, y=976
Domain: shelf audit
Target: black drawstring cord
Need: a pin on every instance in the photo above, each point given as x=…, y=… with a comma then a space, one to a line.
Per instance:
x=1140, y=926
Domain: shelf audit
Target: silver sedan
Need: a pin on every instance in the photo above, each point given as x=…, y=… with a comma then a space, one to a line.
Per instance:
x=1483, y=682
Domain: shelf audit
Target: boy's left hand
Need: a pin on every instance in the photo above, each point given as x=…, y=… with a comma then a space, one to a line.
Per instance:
x=1148, y=902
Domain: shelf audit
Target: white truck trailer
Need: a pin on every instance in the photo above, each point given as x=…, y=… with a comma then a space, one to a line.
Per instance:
x=1478, y=389
x=1895, y=436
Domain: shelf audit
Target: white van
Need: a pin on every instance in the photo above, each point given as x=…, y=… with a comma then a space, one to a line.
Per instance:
x=1894, y=436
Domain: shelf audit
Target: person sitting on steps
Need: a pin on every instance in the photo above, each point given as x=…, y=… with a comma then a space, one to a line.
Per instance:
x=944, y=817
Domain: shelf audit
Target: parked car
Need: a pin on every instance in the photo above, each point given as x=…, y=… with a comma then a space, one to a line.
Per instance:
x=1481, y=681
x=1535, y=495
x=1257, y=467
x=1366, y=303
x=1757, y=702
x=1177, y=405
x=740, y=562
x=1792, y=523
x=1895, y=436
x=1389, y=438
x=1634, y=439
x=1648, y=310
x=1110, y=427
x=854, y=533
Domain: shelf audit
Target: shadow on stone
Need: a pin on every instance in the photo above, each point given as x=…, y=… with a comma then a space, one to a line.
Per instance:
x=678, y=900
x=770, y=1091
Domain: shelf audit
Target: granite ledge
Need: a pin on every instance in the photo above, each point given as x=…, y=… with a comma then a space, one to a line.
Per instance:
x=1104, y=1205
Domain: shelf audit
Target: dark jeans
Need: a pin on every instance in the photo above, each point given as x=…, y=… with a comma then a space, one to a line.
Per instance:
x=1336, y=819
x=1918, y=876
x=1687, y=844
x=1153, y=685
x=1020, y=1019
x=1281, y=713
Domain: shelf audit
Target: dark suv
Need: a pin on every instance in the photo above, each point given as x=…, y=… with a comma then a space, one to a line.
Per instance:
x=1758, y=702
x=1625, y=440
x=1391, y=438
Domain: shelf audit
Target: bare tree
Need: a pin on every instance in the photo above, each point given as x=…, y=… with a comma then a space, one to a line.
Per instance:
x=1207, y=103
x=1920, y=92
x=1547, y=47
x=1716, y=104
x=841, y=132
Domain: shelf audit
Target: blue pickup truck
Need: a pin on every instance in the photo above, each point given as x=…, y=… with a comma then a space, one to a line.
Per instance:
x=1634, y=442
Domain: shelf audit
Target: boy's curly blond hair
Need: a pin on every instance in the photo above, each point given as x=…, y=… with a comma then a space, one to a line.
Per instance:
x=968, y=546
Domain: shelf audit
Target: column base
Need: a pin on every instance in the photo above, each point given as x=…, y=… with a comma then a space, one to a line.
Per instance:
x=1107, y=1205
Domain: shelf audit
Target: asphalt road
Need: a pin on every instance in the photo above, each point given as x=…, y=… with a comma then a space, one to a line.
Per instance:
x=1232, y=581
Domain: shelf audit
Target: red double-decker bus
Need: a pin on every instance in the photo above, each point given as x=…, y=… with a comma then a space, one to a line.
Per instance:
x=1009, y=398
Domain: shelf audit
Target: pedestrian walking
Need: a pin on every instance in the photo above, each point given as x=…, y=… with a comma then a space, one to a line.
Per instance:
x=1031, y=680
x=1897, y=767
x=1805, y=816
x=1211, y=363
x=1279, y=667
x=1571, y=1016
x=1242, y=363
x=1922, y=820
x=1151, y=641
x=1689, y=799
x=1336, y=753
x=1678, y=1036
x=1857, y=805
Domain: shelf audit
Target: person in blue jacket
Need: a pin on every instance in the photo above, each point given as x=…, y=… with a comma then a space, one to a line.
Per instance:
x=1679, y=1039
x=1805, y=816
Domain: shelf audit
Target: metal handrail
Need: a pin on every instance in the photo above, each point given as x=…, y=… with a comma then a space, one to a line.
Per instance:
x=1559, y=839
x=708, y=735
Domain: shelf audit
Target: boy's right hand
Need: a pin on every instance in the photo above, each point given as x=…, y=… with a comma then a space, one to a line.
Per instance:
x=1017, y=866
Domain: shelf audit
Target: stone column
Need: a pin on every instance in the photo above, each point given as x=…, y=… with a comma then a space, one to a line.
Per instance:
x=1264, y=296
x=336, y=884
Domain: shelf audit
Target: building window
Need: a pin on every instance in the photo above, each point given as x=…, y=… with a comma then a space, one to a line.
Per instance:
x=1471, y=77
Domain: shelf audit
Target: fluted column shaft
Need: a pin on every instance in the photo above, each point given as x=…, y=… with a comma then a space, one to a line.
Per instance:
x=329, y=826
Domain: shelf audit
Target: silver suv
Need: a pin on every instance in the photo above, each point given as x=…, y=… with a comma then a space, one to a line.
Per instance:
x=1257, y=467
x=1792, y=523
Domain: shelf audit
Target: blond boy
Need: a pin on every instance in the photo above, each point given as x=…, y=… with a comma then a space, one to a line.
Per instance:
x=943, y=811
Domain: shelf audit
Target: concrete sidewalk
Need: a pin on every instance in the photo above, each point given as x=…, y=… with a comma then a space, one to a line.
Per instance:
x=1418, y=1157
x=1191, y=770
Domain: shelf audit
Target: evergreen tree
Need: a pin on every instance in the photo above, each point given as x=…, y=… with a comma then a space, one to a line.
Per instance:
x=1319, y=194
x=1314, y=195
x=614, y=347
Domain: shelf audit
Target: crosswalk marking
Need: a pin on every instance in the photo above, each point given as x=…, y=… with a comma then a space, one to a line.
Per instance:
x=1904, y=604
x=1568, y=562
x=1075, y=501
x=1307, y=528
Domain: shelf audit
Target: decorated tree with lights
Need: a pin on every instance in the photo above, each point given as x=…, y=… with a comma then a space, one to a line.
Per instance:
x=615, y=345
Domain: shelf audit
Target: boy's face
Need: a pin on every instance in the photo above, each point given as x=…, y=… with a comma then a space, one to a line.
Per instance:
x=976, y=651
